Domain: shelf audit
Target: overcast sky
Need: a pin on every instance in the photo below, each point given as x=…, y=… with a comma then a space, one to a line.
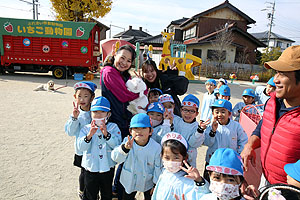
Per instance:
x=155, y=15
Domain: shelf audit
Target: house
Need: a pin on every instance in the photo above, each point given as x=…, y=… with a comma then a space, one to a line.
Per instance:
x=174, y=27
x=132, y=35
x=201, y=31
x=276, y=40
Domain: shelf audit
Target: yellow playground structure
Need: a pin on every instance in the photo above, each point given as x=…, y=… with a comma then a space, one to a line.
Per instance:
x=177, y=53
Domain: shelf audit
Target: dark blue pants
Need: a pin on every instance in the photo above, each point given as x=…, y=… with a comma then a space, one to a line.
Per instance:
x=95, y=182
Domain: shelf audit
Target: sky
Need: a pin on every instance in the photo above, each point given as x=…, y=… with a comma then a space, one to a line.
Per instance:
x=155, y=15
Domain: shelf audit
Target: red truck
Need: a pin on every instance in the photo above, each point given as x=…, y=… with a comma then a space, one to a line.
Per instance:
x=42, y=46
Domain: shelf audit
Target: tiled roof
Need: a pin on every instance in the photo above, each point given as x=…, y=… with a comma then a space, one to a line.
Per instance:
x=264, y=36
x=178, y=21
x=132, y=32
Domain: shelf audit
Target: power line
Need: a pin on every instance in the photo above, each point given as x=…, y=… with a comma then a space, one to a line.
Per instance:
x=291, y=2
x=34, y=8
x=16, y=8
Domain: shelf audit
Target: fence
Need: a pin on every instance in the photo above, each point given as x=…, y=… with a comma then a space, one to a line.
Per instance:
x=211, y=69
x=242, y=71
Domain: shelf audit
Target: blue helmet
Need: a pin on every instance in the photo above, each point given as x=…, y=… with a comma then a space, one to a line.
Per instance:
x=249, y=92
x=190, y=100
x=156, y=107
x=225, y=90
x=141, y=120
x=271, y=82
x=100, y=104
x=222, y=103
x=226, y=161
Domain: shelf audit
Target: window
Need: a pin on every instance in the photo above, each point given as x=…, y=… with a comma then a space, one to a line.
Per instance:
x=189, y=33
x=279, y=44
x=171, y=29
x=216, y=55
x=197, y=52
x=96, y=37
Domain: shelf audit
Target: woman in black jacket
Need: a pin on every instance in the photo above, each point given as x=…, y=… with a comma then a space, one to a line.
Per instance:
x=168, y=81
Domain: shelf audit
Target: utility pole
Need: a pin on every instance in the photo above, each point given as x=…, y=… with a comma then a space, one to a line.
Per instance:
x=37, y=11
x=34, y=7
x=271, y=18
x=271, y=22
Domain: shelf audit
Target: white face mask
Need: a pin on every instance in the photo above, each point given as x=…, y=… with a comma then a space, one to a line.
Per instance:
x=155, y=122
x=99, y=121
x=224, y=191
x=171, y=111
x=172, y=166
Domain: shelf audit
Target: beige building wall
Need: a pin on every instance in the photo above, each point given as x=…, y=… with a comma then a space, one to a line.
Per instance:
x=225, y=13
x=230, y=52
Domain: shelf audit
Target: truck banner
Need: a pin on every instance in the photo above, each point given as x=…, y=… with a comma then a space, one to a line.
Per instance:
x=43, y=28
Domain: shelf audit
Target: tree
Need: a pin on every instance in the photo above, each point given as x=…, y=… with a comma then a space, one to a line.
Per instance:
x=258, y=57
x=224, y=39
x=270, y=54
x=74, y=10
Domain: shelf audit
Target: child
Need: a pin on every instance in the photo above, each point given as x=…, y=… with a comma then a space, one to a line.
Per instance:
x=81, y=116
x=208, y=99
x=262, y=94
x=141, y=157
x=221, y=82
x=293, y=173
x=248, y=99
x=224, y=92
x=223, y=132
x=153, y=95
x=97, y=140
x=189, y=128
x=176, y=179
x=226, y=175
x=161, y=120
x=168, y=102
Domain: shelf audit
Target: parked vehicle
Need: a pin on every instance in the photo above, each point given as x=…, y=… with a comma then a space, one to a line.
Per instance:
x=43, y=46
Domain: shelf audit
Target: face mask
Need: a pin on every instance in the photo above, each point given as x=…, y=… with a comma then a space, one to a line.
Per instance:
x=171, y=110
x=155, y=122
x=98, y=122
x=172, y=166
x=224, y=191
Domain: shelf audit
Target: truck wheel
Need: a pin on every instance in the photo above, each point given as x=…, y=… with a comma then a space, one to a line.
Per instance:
x=2, y=70
x=59, y=72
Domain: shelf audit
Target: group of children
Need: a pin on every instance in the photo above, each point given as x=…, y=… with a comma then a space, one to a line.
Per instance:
x=159, y=156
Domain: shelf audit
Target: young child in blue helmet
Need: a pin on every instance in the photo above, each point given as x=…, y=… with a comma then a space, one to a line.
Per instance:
x=262, y=94
x=223, y=132
x=248, y=99
x=141, y=157
x=226, y=175
x=97, y=140
x=178, y=176
x=189, y=128
x=160, y=119
x=208, y=99
x=224, y=92
x=81, y=116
